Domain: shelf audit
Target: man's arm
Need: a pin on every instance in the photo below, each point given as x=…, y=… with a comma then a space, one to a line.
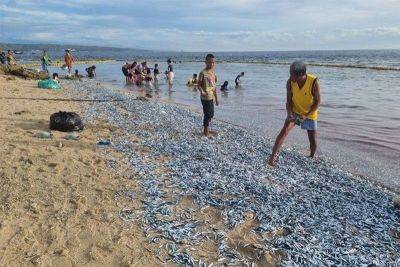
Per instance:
x=289, y=104
x=201, y=84
x=216, y=97
x=317, y=98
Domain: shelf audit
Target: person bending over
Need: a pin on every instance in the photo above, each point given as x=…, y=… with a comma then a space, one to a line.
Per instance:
x=237, y=80
x=302, y=102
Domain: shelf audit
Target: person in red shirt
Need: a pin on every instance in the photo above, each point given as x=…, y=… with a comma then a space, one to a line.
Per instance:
x=69, y=60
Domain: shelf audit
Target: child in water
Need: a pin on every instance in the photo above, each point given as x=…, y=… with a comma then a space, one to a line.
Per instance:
x=55, y=77
x=156, y=72
x=91, y=71
x=170, y=74
x=148, y=78
x=193, y=80
x=237, y=80
x=224, y=87
x=77, y=75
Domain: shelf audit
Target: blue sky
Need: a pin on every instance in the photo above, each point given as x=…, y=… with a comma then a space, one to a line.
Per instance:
x=217, y=25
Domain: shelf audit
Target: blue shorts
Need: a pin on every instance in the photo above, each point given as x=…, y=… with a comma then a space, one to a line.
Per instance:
x=309, y=125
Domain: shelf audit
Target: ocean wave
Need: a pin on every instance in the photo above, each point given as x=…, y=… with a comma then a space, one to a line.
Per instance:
x=368, y=142
x=340, y=106
x=339, y=65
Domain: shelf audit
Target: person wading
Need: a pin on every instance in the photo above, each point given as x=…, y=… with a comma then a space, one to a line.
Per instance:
x=303, y=99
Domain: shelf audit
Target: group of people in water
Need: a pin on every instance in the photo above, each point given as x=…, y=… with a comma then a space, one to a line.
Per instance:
x=224, y=87
x=142, y=74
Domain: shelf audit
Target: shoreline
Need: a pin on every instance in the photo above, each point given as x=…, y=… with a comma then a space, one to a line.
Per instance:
x=254, y=200
x=59, y=63
x=379, y=183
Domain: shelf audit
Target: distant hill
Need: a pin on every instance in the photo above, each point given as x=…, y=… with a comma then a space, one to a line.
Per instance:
x=57, y=47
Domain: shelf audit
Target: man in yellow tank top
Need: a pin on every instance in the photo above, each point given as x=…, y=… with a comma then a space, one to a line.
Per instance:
x=302, y=102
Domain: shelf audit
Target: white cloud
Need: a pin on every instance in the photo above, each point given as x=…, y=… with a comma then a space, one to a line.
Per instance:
x=211, y=25
x=55, y=15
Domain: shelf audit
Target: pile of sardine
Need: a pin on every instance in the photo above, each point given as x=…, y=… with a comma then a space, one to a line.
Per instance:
x=330, y=217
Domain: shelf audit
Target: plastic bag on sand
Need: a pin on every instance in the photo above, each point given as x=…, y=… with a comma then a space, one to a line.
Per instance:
x=66, y=122
x=49, y=84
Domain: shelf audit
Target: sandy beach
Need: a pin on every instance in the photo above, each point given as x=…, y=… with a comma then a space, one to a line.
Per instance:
x=162, y=194
x=57, y=197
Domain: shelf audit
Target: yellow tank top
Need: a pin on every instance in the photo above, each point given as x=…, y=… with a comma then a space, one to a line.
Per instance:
x=302, y=98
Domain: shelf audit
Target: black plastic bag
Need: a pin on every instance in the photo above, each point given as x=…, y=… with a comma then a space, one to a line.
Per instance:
x=66, y=122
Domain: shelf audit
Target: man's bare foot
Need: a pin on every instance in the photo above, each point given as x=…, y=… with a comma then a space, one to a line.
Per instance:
x=207, y=135
x=213, y=133
x=271, y=162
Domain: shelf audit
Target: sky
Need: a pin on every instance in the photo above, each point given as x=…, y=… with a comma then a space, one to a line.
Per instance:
x=215, y=25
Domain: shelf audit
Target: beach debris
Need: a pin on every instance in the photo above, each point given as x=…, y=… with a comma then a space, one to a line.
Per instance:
x=148, y=95
x=23, y=72
x=127, y=215
x=44, y=135
x=49, y=84
x=142, y=98
x=72, y=137
x=59, y=145
x=66, y=122
x=21, y=112
x=309, y=213
x=104, y=143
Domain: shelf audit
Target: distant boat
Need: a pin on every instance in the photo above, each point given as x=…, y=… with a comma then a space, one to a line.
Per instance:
x=72, y=50
x=18, y=52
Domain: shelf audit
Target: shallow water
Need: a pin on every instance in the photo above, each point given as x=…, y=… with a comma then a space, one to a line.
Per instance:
x=359, y=122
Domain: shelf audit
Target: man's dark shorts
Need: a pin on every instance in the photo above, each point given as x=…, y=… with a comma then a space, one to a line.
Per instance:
x=208, y=110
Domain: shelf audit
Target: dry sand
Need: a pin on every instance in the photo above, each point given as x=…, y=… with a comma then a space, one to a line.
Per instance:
x=57, y=203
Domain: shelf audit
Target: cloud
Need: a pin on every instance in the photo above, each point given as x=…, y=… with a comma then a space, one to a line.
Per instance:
x=54, y=15
x=205, y=26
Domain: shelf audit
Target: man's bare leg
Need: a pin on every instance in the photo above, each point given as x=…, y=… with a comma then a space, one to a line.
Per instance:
x=312, y=137
x=206, y=131
x=287, y=127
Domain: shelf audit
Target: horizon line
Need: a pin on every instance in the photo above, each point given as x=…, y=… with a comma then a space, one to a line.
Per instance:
x=194, y=51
